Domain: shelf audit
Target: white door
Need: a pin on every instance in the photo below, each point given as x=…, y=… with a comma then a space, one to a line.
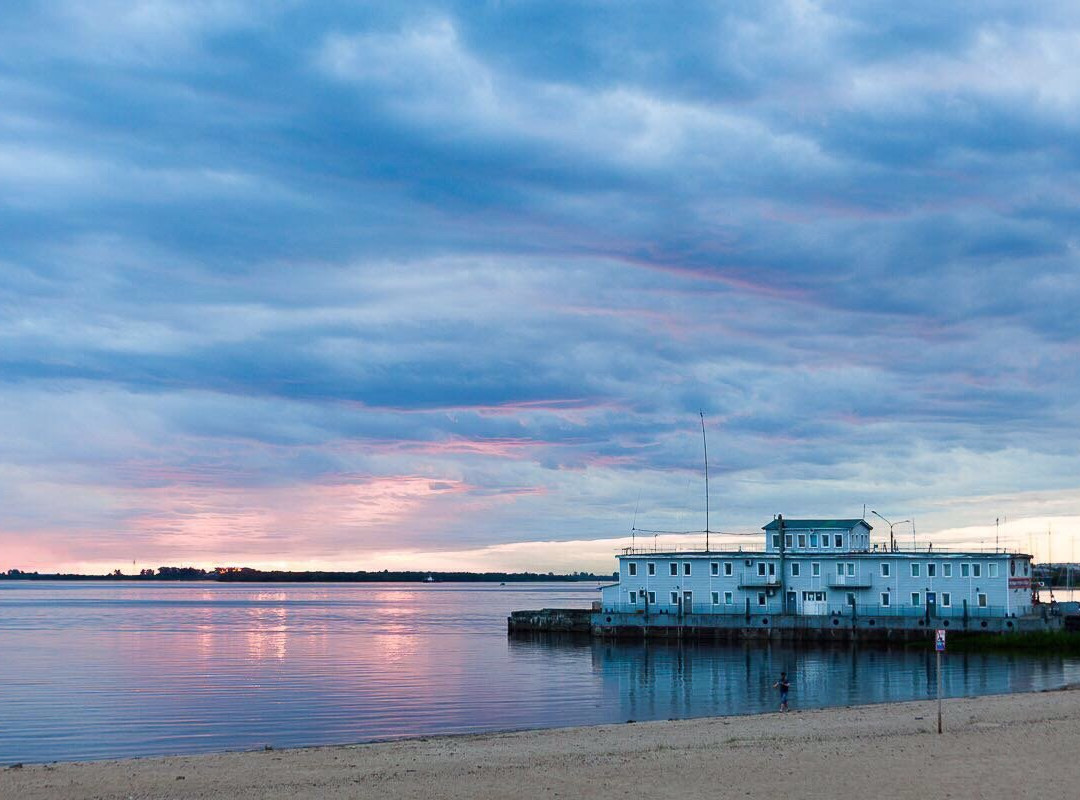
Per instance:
x=814, y=603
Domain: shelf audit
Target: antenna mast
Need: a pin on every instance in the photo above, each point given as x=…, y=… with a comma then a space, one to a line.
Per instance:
x=705, y=446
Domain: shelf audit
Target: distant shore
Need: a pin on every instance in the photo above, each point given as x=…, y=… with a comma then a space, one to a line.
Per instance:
x=248, y=575
x=1016, y=745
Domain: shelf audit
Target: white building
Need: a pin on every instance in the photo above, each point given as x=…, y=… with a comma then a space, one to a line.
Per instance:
x=822, y=567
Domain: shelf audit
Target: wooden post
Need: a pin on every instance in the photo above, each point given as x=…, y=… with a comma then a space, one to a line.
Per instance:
x=939, y=691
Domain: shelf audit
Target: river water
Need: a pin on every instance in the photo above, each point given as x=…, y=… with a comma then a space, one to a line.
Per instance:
x=94, y=670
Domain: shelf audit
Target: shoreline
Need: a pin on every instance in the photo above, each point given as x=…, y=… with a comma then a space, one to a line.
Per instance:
x=994, y=745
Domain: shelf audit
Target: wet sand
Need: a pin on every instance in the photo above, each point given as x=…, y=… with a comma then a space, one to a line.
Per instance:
x=1008, y=746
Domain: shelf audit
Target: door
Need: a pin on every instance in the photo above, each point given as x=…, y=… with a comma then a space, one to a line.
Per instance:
x=931, y=603
x=814, y=603
x=688, y=602
x=792, y=603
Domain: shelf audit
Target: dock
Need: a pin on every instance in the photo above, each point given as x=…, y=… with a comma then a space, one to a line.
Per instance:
x=775, y=627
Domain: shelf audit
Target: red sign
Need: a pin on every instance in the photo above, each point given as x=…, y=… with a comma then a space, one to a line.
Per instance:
x=1019, y=583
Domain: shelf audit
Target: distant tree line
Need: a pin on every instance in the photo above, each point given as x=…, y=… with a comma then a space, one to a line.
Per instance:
x=242, y=574
x=1058, y=576
x=249, y=575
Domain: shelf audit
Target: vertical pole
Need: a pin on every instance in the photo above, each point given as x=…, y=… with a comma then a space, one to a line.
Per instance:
x=939, y=691
x=705, y=445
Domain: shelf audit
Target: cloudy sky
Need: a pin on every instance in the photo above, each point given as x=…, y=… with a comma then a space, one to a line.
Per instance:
x=446, y=285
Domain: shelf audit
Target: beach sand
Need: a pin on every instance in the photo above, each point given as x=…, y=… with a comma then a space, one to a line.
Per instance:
x=1005, y=746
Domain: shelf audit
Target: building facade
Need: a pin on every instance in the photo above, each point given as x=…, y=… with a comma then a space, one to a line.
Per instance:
x=822, y=567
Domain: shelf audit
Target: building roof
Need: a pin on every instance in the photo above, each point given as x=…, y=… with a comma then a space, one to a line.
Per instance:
x=818, y=524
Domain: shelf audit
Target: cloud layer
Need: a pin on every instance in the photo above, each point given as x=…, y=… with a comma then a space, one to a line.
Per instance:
x=290, y=283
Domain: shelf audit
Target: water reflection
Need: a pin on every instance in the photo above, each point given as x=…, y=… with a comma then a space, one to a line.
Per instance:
x=108, y=670
x=650, y=680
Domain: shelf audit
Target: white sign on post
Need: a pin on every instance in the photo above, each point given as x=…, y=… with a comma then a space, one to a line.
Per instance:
x=939, y=641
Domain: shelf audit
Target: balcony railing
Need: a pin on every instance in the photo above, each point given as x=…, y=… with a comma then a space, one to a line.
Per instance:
x=752, y=580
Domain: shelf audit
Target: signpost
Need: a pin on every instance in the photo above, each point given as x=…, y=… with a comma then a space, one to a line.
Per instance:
x=939, y=647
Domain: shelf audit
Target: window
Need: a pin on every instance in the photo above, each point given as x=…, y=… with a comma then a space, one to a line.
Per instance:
x=761, y=568
x=716, y=598
x=776, y=541
x=815, y=568
x=673, y=568
x=838, y=540
x=839, y=567
x=931, y=570
x=631, y=568
x=993, y=570
x=813, y=597
x=884, y=569
x=633, y=598
x=727, y=568
x=850, y=599
x=976, y=570
x=714, y=568
x=946, y=570
x=851, y=569
x=686, y=568
x=652, y=568
x=946, y=599
x=652, y=597
x=787, y=540
x=795, y=570
x=915, y=599
x=885, y=599
x=813, y=540
x=802, y=540
x=674, y=598
x=914, y=570
x=761, y=598
x=982, y=600
x=772, y=569
x=728, y=599
x=965, y=570
x=1012, y=567
x=824, y=540
x=1025, y=568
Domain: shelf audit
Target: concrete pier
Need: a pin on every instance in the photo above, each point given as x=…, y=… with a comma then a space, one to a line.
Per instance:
x=789, y=627
x=558, y=620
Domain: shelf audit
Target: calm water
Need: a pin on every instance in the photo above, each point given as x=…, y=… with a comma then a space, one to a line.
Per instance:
x=100, y=670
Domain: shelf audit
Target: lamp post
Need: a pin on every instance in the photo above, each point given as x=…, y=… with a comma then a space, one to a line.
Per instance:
x=892, y=541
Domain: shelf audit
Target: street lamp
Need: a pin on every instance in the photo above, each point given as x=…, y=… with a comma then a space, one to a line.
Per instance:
x=892, y=541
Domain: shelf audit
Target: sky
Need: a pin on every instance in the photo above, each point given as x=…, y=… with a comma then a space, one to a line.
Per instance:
x=446, y=285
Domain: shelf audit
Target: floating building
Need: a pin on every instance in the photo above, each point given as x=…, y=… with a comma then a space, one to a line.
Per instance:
x=813, y=578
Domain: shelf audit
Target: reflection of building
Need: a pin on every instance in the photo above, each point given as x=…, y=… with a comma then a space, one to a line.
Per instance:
x=663, y=679
x=820, y=568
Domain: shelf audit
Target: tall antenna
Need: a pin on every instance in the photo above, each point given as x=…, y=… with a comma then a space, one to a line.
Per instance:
x=705, y=445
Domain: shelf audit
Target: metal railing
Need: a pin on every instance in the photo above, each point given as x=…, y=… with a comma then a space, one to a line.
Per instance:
x=774, y=606
x=921, y=548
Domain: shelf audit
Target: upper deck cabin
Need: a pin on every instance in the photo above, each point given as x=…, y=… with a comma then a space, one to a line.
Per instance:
x=818, y=536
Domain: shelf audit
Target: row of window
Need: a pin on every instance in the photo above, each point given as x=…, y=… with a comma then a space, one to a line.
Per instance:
x=944, y=598
x=972, y=570
x=813, y=540
x=932, y=598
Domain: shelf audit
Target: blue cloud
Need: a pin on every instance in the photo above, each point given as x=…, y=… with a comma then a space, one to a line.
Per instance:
x=509, y=252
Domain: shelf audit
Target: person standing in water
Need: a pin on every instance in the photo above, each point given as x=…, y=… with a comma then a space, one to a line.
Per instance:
x=783, y=686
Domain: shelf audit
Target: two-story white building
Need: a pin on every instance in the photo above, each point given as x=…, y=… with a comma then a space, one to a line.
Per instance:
x=822, y=567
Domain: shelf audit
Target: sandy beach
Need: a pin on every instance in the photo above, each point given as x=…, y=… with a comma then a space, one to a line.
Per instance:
x=1008, y=746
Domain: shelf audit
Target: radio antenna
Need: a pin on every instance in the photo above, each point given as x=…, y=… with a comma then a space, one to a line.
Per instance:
x=705, y=447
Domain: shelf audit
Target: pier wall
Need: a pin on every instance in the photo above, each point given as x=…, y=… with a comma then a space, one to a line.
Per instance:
x=559, y=620
x=607, y=624
x=792, y=627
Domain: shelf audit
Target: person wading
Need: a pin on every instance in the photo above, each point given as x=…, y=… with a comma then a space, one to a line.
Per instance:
x=783, y=686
